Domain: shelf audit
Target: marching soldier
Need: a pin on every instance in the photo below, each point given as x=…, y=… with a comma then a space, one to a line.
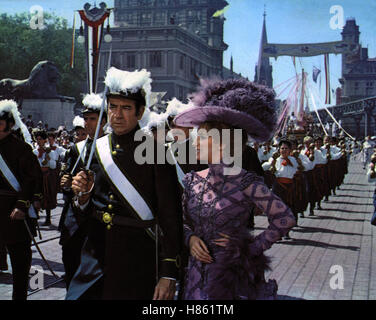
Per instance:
x=48, y=162
x=80, y=133
x=18, y=180
x=135, y=228
x=72, y=224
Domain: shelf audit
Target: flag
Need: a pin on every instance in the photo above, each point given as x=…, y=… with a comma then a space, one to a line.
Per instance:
x=94, y=20
x=220, y=12
x=315, y=73
x=327, y=77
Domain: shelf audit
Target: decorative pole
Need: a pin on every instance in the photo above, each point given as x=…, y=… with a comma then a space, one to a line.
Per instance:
x=91, y=35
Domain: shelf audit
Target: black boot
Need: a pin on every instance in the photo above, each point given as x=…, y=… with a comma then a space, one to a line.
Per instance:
x=319, y=205
x=3, y=261
x=311, y=213
x=287, y=236
x=48, y=218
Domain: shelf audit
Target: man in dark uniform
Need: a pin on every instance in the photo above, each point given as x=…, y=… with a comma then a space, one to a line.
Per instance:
x=125, y=201
x=17, y=185
x=72, y=224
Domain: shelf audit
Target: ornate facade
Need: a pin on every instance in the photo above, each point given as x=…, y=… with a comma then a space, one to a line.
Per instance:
x=178, y=41
x=358, y=70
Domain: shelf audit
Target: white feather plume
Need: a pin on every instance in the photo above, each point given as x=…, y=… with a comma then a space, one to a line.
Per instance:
x=145, y=118
x=93, y=101
x=11, y=107
x=78, y=122
x=174, y=107
x=156, y=120
x=126, y=81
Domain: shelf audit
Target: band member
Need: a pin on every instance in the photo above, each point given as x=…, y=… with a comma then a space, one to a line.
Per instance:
x=368, y=146
x=48, y=162
x=284, y=168
x=322, y=164
x=17, y=185
x=371, y=175
x=300, y=179
x=226, y=262
x=73, y=225
x=267, y=151
x=314, y=189
x=51, y=136
x=125, y=201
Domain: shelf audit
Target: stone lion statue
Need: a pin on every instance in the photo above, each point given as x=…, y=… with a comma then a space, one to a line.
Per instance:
x=41, y=84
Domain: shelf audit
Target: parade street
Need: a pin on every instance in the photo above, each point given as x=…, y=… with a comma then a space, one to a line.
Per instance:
x=339, y=235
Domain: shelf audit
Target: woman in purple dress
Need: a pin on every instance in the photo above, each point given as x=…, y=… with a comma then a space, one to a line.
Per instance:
x=226, y=261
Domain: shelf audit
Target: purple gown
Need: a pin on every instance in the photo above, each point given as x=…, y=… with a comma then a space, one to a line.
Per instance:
x=220, y=203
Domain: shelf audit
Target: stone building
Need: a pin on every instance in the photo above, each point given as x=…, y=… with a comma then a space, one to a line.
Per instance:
x=178, y=41
x=358, y=70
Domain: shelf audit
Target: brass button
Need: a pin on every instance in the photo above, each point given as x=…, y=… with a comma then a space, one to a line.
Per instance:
x=112, y=197
x=114, y=153
x=117, y=146
x=110, y=207
x=107, y=218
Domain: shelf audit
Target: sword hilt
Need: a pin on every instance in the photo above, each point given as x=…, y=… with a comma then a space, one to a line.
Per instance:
x=90, y=174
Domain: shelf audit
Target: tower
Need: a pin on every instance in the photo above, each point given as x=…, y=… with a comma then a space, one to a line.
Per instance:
x=350, y=34
x=263, y=70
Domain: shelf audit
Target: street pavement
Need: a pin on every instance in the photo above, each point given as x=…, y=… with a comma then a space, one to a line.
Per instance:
x=337, y=238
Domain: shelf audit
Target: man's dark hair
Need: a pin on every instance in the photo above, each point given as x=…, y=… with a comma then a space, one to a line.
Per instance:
x=51, y=134
x=286, y=142
x=40, y=133
x=137, y=98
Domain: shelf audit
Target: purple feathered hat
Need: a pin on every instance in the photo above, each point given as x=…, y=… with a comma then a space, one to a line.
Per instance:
x=237, y=102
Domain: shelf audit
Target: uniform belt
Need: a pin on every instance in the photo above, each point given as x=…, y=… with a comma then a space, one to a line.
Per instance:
x=115, y=219
x=285, y=180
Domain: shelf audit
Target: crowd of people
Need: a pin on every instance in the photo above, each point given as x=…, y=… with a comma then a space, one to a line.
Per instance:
x=131, y=230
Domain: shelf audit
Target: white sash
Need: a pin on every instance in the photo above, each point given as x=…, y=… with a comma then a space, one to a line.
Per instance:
x=179, y=172
x=82, y=149
x=9, y=175
x=14, y=183
x=122, y=184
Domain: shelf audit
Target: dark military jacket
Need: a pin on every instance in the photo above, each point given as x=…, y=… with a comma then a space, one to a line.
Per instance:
x=71, y=219
x=123, y=257
x=23, y=164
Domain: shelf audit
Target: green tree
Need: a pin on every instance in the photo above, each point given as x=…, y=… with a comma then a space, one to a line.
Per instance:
x=21, y=48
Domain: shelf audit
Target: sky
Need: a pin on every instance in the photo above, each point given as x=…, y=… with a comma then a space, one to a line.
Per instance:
x=287, y=21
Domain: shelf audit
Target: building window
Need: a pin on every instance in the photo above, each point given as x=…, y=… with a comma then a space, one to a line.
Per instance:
x=193, y=67
x=156, y=59
x=131, y=60
x=182, y=62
